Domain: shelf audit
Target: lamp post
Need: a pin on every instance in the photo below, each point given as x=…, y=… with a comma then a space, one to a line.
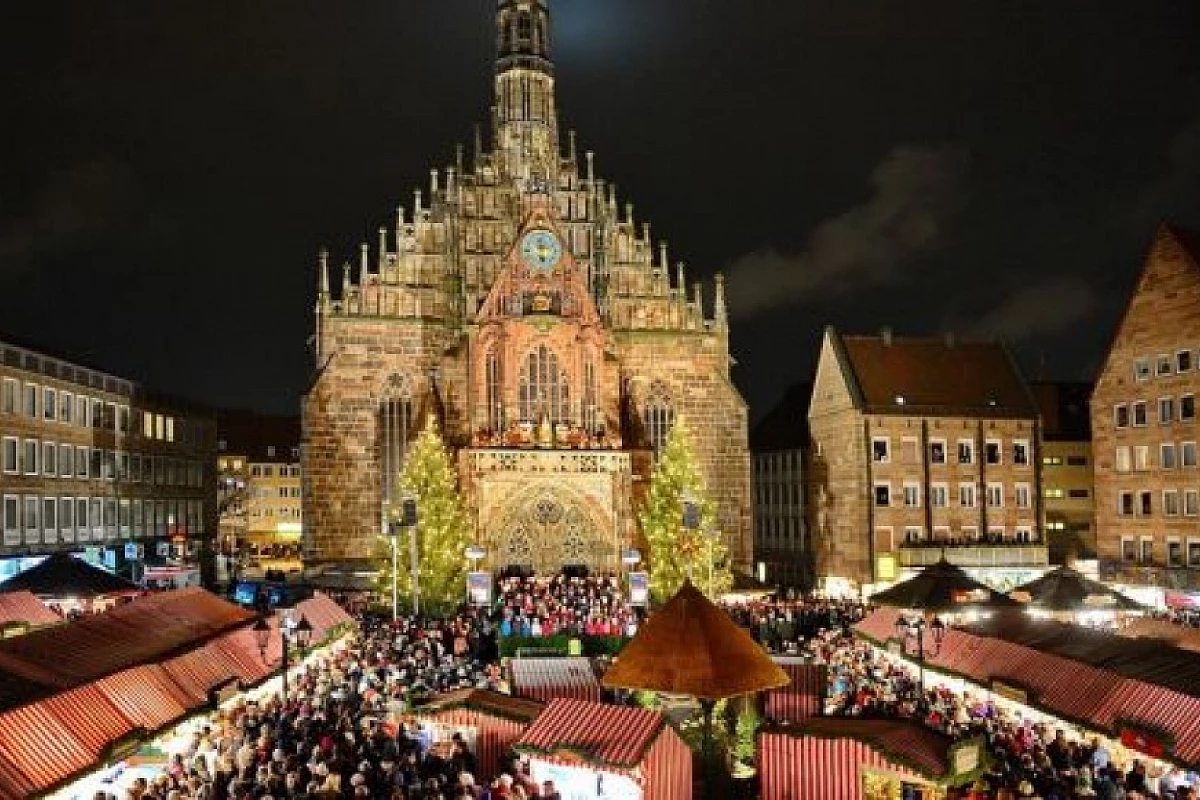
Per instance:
x=300, y=631
x=408, y=519
x=914, y=628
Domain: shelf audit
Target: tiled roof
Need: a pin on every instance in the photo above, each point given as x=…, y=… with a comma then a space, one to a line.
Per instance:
x=485, y=702
x=613, y=736
x=911, y=741
x=900, y=375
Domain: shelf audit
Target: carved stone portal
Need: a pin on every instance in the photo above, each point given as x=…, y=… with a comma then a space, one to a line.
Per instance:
x=548, y=528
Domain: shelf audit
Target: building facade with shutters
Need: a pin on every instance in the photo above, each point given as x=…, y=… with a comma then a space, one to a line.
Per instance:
x=519, y=304
x=97, y=465
x=1143, y=413
x=922, y=448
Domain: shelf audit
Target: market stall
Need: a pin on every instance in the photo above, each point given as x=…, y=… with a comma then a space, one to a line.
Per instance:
x=804, y=695
x=489, y=722
x=547, y=678
x=854, y=759
x=593, y=751
x=72, y=584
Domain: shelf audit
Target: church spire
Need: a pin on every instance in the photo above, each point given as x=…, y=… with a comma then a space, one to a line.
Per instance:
x=526, y=117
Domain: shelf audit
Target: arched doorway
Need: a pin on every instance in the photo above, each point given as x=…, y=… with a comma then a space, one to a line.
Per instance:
x=549, y=529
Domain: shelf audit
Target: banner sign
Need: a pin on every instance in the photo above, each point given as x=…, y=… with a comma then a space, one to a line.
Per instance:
x=479, y=588
x=639, y=588
x=1010, y=692
x=133, y=551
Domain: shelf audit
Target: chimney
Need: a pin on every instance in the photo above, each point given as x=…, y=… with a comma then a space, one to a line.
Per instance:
x=886, y=335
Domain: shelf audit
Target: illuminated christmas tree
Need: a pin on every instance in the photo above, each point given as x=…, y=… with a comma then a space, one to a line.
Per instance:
x=696, y=550
x=443, y=528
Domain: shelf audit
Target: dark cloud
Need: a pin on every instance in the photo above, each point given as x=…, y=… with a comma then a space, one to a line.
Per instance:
x=1044, y=306
x=917, y=191
x=1162, y=197
x=76, y=207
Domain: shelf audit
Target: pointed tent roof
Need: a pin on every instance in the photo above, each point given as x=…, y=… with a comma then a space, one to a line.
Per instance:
x=1064, y=589
x=692, y=647
x=63, y=575
x=942, y=587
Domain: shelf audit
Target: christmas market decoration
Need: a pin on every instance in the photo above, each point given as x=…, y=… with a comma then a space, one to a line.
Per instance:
x=443, y=529
x=678, y=521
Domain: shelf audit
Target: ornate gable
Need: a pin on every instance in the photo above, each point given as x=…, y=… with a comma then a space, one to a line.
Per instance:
x=539, y=279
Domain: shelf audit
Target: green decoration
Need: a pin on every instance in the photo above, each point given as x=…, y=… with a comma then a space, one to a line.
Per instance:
x=675, y=551
x=443, y=528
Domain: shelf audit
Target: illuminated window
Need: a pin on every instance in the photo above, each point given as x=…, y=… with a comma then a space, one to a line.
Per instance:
x=543, y=391
x=495, y=396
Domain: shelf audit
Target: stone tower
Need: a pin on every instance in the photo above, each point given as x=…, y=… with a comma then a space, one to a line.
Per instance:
x=538, y=321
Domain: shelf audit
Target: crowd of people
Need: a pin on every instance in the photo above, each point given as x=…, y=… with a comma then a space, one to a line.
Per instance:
x=785, y=625
x=544, y=606
x=346, y=730
x=1029, y=758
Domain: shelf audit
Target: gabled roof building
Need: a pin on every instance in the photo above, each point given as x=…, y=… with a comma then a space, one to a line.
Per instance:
x=922, y=446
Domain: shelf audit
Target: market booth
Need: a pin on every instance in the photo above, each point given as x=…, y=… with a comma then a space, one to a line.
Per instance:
x=21, y=611
x=804, y=695
x=72, y=584
x=545, y=679
x=72, y=696
x=592, y=750
x=489, y=722
x=856, y=759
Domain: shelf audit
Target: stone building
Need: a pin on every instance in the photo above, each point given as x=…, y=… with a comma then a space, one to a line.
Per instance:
x=1068, y=493
x=1144, y=424
x=529, y=311
x=922, y=447
x=779, y=446
x=100, y=466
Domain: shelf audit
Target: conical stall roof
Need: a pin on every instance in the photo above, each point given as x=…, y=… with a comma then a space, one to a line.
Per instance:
x=943, y=587
x=1066, y=589
x=692, y=647
x=63, y=575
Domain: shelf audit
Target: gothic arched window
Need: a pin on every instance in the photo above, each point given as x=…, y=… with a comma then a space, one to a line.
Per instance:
x=495, y=395
x=397, y=419
x=659, y=416
x=543, y=388
x=591, y=414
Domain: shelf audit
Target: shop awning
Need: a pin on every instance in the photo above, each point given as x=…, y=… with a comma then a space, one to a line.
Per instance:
x=90, y=716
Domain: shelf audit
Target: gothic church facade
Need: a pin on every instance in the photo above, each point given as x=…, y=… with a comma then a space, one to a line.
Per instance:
x=538, y=322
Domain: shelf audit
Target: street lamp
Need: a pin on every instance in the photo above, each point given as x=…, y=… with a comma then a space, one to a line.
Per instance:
x=475, y=553
x=300, y=632
x=406, y=519
x=914, y=628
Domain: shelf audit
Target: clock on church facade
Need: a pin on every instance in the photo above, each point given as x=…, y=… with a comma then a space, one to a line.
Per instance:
x=535, y=318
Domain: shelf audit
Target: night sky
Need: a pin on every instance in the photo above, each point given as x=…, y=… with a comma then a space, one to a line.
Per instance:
x=168, y=170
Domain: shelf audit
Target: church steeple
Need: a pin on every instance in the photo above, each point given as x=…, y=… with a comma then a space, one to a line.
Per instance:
x=526, y=116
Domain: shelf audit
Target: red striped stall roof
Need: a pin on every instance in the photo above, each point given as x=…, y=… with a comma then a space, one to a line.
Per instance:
x=43, y=750
x=1099, y=680
x=799, y=767
x=614, y=737
x=140, y=632
x=146, y=696
x=323, y=613
x=14, y=784
x=24, y=606
x=548, y=678
x=90, y=716
x=494, y=735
